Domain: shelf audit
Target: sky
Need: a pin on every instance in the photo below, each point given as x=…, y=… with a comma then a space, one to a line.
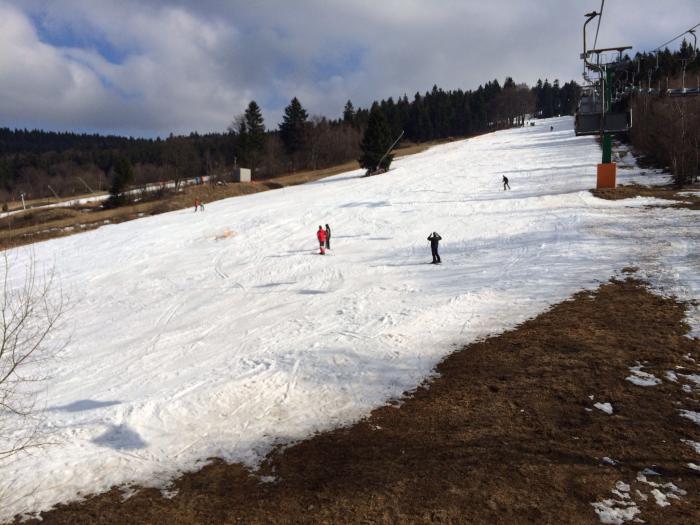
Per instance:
x=154, y=67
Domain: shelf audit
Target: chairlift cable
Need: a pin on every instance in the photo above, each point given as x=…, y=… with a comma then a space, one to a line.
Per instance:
x=676, y=38
x=600, y=17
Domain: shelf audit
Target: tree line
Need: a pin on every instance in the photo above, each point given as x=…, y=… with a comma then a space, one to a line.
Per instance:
x=665, y=68
x=666, y=129
x=41, y=163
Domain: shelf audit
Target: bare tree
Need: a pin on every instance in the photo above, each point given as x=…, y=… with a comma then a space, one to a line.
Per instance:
x=29, y=313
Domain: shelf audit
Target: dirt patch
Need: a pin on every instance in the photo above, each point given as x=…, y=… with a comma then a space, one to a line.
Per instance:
x=507, y=434
x=661, y=192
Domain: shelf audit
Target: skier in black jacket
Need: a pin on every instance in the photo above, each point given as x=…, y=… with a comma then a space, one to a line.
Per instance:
x=328, y=237
x=434, y=239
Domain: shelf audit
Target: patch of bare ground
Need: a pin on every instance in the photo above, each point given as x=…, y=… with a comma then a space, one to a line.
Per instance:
x=40, y=224
x=683, y=197
x=507, y=434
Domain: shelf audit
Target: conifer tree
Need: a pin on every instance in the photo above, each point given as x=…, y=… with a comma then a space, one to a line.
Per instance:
x=376, y=142
x=293, y=126
x=122, y=176
x=252, y=134
x=349, y=113
x=255, y=125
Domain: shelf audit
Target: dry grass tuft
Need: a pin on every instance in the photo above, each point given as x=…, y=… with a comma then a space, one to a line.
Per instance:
x=660, y=192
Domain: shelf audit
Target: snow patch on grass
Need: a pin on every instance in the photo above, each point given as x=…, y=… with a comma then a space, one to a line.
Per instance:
x=660, y=498
x=694, y=378
x=267, y=479
x=641, y=378
x=694, y=444
x=693, y=416
x=615, y=512
x=605, y=407
x=169, y=493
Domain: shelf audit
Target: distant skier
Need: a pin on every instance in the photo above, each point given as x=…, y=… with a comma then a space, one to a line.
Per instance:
x=196, y=205
x=551, y=128
x=321, y=236
x=201, y=206
x=505, y=183
x=328, y=237
x=434, y=239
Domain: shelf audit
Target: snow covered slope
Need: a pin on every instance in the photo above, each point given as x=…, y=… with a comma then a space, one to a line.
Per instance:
x=186, y=344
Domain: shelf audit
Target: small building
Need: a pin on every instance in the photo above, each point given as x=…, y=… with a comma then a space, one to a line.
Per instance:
x=241, y=175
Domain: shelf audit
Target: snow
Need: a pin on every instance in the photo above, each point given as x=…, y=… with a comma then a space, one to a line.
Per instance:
x=660, y=497
x=621, y=490
x=641, y=378
x=622, y=486
x=624, y=508
x=182, y=347
x=694, y=378
x=691, y=443
x=614, y=511
x=693, y=416
x=605, y=407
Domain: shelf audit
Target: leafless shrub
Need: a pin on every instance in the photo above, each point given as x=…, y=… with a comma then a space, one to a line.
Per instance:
x=29, y=313
x=666, y=129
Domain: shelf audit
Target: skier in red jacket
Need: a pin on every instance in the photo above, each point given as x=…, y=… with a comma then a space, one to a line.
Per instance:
x=321, y=236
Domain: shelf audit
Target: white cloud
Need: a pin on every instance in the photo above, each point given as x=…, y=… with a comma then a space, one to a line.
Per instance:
x=188, y=65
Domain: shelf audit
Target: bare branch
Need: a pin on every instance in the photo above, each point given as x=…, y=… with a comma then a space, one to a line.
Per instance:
x=29, y=312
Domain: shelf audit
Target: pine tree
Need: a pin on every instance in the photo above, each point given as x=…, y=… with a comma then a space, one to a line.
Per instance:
x=255, y=126
x=349, y=113
x=376, y=141
x=293, y=127
x=122, y=176
x=251, y=131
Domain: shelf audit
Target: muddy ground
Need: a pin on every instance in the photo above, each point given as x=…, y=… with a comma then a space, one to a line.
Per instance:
x=507, y=434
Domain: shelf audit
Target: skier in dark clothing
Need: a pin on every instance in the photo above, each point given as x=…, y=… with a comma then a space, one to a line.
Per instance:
x=328, y=237
x=434, y=239
x=505, y=183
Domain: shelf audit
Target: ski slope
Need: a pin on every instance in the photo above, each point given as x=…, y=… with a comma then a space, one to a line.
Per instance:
x=185, y=344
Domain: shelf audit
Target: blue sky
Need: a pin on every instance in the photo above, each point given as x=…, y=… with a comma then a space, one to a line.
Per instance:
x=66, y=35
x=152, y=67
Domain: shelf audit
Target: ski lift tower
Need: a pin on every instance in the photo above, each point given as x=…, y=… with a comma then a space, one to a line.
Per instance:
x=596, y=115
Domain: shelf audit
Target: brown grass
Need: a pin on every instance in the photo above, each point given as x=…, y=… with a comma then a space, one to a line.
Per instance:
x=661, y=192
x=41, y=224
x=507, y=434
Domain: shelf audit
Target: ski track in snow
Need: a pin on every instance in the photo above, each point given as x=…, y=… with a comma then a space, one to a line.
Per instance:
x=184, y=347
